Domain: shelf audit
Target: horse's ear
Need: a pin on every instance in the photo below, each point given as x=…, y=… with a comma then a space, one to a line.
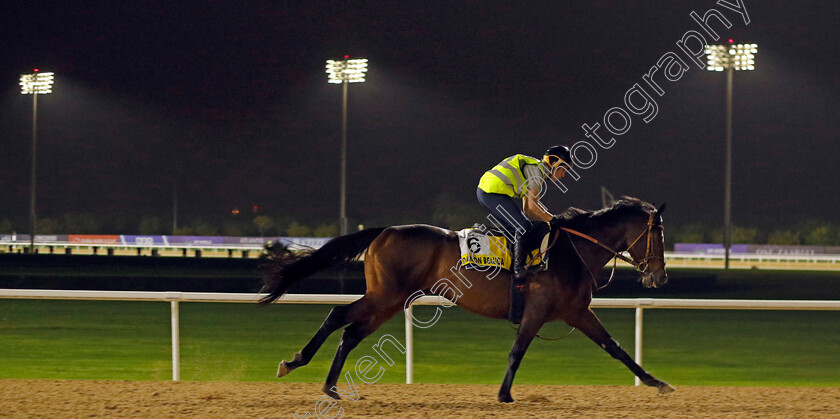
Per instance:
x=661, y=209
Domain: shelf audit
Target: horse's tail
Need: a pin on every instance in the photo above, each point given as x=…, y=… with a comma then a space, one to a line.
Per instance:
x=285, y=268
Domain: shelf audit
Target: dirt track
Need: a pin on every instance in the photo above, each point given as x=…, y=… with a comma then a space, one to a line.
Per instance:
x=46, y=398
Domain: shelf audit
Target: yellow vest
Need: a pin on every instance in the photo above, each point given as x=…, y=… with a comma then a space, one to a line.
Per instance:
x=507, y=178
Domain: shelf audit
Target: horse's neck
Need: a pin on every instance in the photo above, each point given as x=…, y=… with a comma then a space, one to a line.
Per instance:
x=613, y=237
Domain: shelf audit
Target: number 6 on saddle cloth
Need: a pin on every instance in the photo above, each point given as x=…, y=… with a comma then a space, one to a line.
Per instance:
x=483, y=248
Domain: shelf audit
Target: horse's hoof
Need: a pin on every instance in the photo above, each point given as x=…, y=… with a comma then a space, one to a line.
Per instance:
x=505, y=398
x=330, y=392
x=665, y=388
x=283, y=369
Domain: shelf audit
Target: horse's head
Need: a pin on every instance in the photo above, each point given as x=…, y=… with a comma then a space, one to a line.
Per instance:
x=630, y=225
x=646, y=245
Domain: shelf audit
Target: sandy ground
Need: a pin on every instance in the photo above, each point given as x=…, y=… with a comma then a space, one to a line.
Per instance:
x=160, y=399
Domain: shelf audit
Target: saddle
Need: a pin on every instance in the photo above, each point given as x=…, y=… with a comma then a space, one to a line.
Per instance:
x=482, y=247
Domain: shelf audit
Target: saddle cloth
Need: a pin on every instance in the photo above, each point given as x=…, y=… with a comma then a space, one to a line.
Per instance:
x=490, y=248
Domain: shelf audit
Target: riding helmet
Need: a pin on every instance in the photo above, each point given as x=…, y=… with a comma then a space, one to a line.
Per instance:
x=560, y=151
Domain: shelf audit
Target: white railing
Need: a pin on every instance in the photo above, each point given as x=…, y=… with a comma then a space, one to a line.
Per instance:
x=755, y=256
x=639, y=304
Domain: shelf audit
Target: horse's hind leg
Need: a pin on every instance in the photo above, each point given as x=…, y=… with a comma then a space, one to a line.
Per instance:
x=339, y=317
x=589, y=324
x=351, y=338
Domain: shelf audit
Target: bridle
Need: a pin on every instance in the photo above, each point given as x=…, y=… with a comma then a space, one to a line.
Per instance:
x=641, y=266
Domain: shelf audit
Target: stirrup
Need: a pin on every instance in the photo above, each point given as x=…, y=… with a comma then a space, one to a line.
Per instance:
x=532, y=269
x=542, y=266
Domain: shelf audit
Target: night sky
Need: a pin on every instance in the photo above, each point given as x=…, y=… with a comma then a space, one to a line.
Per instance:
x=229, y=101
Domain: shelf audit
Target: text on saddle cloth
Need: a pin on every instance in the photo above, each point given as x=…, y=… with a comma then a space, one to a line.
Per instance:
x=480, y=249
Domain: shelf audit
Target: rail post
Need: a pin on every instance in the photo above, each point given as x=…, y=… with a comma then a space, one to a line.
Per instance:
x=637, y=351
x=409, y=346
x=176, y=342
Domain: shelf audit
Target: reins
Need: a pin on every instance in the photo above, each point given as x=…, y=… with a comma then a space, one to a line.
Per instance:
x=538, y=336
x=640, y=266
x=596, y=241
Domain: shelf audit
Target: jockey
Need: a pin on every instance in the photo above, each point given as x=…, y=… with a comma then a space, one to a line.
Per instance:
x=515, y=178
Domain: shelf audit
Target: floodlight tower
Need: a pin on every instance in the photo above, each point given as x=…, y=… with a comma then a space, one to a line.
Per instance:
x=730, y=57
x=34, y=84
x=344, y=72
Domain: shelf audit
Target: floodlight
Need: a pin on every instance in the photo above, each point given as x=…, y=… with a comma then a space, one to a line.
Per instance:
x=735, y=56
x=34, y=84
x=344, y=72
x=351, y=71
x=37, y=83
x=732, y=57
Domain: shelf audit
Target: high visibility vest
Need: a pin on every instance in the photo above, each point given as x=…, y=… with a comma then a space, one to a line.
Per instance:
x=507, y=177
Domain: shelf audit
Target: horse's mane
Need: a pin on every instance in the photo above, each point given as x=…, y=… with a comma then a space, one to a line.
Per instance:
x=622, y=209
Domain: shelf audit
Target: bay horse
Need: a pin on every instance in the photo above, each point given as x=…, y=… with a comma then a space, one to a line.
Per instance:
x=402, y=260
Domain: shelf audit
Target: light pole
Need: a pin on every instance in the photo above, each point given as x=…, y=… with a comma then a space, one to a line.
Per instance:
x=34, y=84
x=729, y=57
x=343, y=72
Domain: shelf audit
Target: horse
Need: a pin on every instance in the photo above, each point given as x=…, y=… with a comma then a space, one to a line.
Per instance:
x=399, y=261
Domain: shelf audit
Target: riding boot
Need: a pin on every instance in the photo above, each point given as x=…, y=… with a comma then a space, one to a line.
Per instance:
x=517, y=283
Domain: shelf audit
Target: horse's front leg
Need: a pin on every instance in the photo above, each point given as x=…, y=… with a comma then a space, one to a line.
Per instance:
x=528, y=328
x=589, y=324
